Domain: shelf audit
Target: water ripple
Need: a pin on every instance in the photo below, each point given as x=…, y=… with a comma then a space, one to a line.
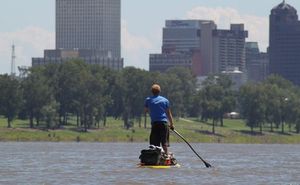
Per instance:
x=116, y=163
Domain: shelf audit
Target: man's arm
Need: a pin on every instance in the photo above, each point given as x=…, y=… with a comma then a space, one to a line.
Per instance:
x=170, y=117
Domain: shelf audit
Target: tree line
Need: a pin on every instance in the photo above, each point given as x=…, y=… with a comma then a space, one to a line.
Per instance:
x=49, y=95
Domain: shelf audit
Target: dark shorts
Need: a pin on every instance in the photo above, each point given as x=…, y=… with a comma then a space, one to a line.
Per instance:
x=159, y=134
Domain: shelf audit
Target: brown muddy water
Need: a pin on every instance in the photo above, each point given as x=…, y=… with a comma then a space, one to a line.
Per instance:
x=116, y=163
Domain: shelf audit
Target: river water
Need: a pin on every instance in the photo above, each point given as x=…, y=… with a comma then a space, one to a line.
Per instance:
x=116, y=163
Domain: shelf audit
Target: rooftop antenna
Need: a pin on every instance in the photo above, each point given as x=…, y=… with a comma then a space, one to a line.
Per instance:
x=13, y=61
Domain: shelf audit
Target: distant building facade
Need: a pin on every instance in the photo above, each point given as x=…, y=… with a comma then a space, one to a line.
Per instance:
x=186, y=43
x=229, y=48
x=200, y=46
x=89, y=30
x=89, y=56
x=89, y=24
x=181, y=36
x=163, y=62
x=284, y=46
x=257, y=63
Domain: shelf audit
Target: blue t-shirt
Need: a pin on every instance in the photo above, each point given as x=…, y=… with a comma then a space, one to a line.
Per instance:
x=157, y=106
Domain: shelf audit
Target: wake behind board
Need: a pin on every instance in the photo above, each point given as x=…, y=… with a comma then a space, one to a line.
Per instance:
x=159, y=166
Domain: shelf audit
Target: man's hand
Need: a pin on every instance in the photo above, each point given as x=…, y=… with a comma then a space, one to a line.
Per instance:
x=172, y=127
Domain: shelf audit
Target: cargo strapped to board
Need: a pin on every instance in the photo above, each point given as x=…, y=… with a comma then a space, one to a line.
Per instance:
x=151, y=156
x=155, y=155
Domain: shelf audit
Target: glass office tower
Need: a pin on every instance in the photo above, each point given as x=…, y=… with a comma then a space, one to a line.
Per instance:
x=89, y=24
x=285, y=42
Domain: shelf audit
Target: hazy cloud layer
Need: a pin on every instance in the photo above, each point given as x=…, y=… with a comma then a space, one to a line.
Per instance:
x=29, y=42
x=135, y=48
x=257, y=26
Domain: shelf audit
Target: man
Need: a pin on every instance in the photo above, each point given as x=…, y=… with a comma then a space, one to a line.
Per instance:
x=160, y=113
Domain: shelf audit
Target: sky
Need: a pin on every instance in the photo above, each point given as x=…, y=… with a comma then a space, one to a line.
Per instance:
x=30, y=25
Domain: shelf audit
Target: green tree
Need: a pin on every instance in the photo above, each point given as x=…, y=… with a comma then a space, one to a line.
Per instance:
x=216, y=98
x=252, y=102
x=196, y=109
x=186, y=83
x=10, y=98
x=135, y=87
x=279, y=101
x=272, y=113
x=172, y=89
x=227, y=96
x=212, y=94
x=37, y=94
x=67, y=85
x=49, y=114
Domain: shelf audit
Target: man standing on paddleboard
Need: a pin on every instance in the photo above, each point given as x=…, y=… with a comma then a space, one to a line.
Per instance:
x=161, y=118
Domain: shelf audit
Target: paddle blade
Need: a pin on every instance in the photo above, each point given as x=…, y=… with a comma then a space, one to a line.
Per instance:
x=207, y=164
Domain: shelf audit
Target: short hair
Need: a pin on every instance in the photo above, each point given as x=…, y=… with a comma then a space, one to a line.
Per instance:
x=155, y=89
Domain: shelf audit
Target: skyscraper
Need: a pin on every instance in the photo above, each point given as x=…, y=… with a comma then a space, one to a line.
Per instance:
x=284, y=48
x=89, y=24
x=257, y=63
x=89, y=30
x=186, y=43
x=229, y=48
x=200, y=46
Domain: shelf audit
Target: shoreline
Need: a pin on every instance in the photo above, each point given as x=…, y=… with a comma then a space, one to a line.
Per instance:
x=136, y=142
x=233, y=132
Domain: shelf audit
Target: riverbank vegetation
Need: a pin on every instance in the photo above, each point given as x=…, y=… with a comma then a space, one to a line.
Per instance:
x=63, y=100
x=233, y=131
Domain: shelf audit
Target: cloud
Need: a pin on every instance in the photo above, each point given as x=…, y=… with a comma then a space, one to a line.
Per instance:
x=258, y=27
x=135, y=48
x=29, y=42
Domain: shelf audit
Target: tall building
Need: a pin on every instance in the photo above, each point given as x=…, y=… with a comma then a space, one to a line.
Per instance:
x=163, y=62
x=229, y=48
x=257, y=63
x=89, y=30
x=200, y=46
x=186, y=43
x=89, y=24
x=284, y=46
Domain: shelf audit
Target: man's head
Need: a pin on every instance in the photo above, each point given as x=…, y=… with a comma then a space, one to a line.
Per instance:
x=155, y=89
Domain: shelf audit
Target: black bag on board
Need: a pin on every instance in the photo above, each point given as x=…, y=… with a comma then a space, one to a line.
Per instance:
x=151, y=156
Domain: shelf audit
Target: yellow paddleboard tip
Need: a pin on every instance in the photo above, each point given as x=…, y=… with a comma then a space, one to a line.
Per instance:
x=159, y=166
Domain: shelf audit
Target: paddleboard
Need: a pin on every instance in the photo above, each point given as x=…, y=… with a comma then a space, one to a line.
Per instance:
x=159, y=166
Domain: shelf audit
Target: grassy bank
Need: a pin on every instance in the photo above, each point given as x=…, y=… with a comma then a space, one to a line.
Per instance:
x=234, y=131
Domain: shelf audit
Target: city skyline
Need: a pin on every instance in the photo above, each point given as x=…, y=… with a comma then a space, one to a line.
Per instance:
x=30, y=25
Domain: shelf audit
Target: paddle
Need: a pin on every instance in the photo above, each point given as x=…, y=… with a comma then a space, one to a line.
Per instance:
x=206, y=163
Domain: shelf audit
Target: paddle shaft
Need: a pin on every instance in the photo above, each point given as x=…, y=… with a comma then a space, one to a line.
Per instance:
x=206, y=163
